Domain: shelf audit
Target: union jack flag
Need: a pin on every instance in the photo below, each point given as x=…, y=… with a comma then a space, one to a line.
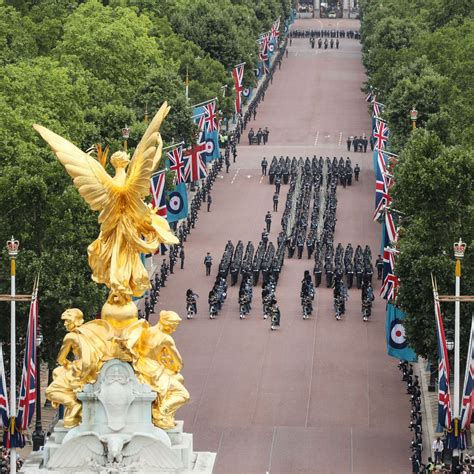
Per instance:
x=391, y=228
x=381, y=134
x=175, y=157
x=383, y=184
x=377, y=108
x=26, y=403
x=238, y=76
x=468, y=392
x=157, y=191
x=444, y=397
x=370, y=97
x=390, y=283
x=275, y=33
x=195, y=163
x=4, y=410
x=209, y=117
x=264, y=42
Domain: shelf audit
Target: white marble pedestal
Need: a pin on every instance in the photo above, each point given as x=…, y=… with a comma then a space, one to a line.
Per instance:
x=117, y=435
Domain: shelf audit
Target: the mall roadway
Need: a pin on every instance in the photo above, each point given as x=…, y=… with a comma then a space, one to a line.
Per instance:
x=315, y=396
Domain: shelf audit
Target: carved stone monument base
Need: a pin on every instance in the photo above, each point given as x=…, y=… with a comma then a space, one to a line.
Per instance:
x=117, y=435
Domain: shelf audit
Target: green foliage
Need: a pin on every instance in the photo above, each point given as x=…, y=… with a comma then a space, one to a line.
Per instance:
x=85, y=69
x=419, y=53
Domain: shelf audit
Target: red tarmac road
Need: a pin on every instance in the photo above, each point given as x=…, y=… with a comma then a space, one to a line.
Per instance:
x=315, y=396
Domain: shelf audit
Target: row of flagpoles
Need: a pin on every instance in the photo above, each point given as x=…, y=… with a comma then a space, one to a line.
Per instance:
x=14, y=422
x=384, y=163
x=456, y=422
x=189, y=164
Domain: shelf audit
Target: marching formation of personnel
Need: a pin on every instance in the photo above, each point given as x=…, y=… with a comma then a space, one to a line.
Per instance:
x=270, y=305
x=351, y=34
x=245, y=296
x=251, y=111
x=217, y=296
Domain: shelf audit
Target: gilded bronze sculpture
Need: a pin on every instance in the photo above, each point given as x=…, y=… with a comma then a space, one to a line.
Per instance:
x=128, y=227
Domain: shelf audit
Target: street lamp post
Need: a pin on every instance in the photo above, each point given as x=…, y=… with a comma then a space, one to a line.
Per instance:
x=125, y=136
x=38, y=434
x=413, y=116
x=12, y=248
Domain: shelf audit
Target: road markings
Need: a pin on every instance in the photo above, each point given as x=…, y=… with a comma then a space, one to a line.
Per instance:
x=340, y=138
x=316, y=139
x=235, y=176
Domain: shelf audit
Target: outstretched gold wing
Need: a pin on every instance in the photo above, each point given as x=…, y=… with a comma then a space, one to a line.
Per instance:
x=146, y=157
x=90, y=178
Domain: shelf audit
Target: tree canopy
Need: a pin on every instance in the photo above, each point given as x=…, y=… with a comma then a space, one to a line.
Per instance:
x=85, y=69
x=419, y=53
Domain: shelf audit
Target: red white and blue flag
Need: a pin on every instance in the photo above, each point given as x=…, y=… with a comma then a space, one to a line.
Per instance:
x=176, y=163
x=390, y=284
x=370, y=97
x=468, y=392
x=444, y=396
x=377, y=108
x=264, y=42
x=238, y=76
x=382, y=185
x=391, y=228
x=195, y=163
x=381, y=134
x=4, y=411
x=157, y=191
x=208, y=119
x=275, y=32
x=26, y=403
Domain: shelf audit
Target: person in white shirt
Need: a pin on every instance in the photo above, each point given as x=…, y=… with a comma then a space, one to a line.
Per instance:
x=437, y=450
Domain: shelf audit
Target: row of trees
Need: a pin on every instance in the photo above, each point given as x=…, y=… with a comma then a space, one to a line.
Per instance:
x=84, y=69
x=419, y=53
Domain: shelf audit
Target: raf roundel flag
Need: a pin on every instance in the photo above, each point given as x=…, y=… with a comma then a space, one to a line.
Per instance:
x=397, y=344
x=177, y=205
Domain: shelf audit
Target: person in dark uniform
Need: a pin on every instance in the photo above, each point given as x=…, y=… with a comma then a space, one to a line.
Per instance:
x=234, y=152
x=181, y=256
x=379, y=265
x=251, y=135
x=265, y=238
x=266, y=133
x=255, y=113
x=259, y=136
x=275, y=202
x=268, y=220
x=356, y=172
x=227, y=164
x=300, y=245
x=208, y=263
x=349, y=142
x=355, y=143
x=147, y=308
x=209, y=202
x=277, y=184
x=264, y=165
x=365, y=142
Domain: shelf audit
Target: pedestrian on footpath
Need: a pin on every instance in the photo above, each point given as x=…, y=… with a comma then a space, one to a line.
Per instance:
x=275, y=202
x=209, y=202
x=438, y=448
x=264, y=164
x=208, y=263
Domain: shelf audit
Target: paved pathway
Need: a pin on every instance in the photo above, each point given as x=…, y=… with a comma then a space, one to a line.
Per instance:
x=316, y=396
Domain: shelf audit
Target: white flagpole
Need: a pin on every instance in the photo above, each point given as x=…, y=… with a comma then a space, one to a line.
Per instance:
x=12, y=246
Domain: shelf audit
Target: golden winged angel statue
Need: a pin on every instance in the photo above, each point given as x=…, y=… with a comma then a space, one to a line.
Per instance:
x=128, y=226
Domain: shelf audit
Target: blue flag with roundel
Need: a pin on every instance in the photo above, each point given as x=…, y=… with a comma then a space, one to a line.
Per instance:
x=397, y=344
x=177, y=203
